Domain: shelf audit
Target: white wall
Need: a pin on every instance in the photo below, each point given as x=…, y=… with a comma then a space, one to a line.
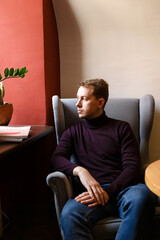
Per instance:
x=117, y=40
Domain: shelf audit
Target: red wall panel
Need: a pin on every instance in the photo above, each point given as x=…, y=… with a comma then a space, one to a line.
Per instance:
x=22, y=44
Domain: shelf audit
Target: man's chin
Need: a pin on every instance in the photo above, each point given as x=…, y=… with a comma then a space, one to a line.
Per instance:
x=81, y=115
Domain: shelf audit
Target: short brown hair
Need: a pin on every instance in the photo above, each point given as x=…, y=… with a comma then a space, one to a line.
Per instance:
x=100, y=88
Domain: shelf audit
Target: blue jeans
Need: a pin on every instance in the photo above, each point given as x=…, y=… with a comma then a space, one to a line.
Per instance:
x=135, y=205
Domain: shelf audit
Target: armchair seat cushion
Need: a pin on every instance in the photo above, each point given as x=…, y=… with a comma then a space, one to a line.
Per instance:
x=106, y=228
x=157, y=212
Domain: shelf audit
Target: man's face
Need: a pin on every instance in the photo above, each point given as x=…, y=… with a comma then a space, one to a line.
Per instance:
x=88, y=106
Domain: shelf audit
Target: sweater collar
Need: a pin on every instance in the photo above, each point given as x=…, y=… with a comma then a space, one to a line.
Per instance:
x=96, y=122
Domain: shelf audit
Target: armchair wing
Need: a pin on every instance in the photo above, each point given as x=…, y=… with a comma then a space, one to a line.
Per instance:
x=62, y=189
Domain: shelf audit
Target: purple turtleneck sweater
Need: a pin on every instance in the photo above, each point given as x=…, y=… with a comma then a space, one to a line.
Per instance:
x=106, y=147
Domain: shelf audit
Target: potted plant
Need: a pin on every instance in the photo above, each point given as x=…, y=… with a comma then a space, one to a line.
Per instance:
x=6, y=109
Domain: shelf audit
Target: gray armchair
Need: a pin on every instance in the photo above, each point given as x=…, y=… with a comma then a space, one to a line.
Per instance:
x=139, y=113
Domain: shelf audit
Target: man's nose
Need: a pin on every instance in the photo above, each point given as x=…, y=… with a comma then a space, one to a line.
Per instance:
x=78, y=103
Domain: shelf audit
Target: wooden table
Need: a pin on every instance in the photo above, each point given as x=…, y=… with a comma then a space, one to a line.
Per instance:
x=152, y=177
x=10, y=151
x=37, y=132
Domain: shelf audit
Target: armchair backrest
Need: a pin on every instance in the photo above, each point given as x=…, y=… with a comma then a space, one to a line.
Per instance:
x=138, y=112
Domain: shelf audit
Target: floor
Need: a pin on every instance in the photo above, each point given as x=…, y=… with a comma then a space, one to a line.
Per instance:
x=31, y=224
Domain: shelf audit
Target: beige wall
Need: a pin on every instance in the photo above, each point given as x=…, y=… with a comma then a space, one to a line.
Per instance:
x=118, y=40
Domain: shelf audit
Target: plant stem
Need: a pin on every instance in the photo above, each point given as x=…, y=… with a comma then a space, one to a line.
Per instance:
x=8, y=77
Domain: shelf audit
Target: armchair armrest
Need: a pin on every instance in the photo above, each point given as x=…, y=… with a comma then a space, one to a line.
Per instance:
x=62, y=189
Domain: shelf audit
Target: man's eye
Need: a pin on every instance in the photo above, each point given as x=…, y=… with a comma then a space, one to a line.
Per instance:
x=85, y=98
x=82, y=99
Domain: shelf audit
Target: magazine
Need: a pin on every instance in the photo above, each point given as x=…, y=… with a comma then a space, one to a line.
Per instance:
x=14, y=134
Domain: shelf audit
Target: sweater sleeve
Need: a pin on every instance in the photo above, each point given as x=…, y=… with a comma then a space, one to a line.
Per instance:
x=60, y=160
x=130, y=157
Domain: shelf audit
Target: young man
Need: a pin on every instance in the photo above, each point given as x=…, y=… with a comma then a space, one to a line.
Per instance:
x=108, y=169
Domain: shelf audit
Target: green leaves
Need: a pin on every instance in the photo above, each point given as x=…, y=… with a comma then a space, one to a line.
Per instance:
x=22, y=72
x=16, y=72
x=11, y=73
x=6, y=72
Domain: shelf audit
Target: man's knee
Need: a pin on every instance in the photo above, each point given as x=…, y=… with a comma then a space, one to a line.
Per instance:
x=139, y=197
x=73, y=212
x=68, y=210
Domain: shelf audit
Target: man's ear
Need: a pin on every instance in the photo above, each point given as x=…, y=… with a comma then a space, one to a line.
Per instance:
x=101, y=102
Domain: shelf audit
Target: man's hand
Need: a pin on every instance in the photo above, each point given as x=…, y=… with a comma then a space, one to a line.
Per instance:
x=85, y=198
x=96, y=195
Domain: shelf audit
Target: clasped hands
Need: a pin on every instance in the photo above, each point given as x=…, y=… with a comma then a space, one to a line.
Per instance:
x=94, y=195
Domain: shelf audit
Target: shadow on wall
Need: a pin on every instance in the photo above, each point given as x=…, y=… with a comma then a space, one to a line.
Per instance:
x=70, y=45
x=51, y=56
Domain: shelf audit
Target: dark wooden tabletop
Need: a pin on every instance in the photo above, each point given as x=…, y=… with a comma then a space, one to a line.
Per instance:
x=37, y=132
